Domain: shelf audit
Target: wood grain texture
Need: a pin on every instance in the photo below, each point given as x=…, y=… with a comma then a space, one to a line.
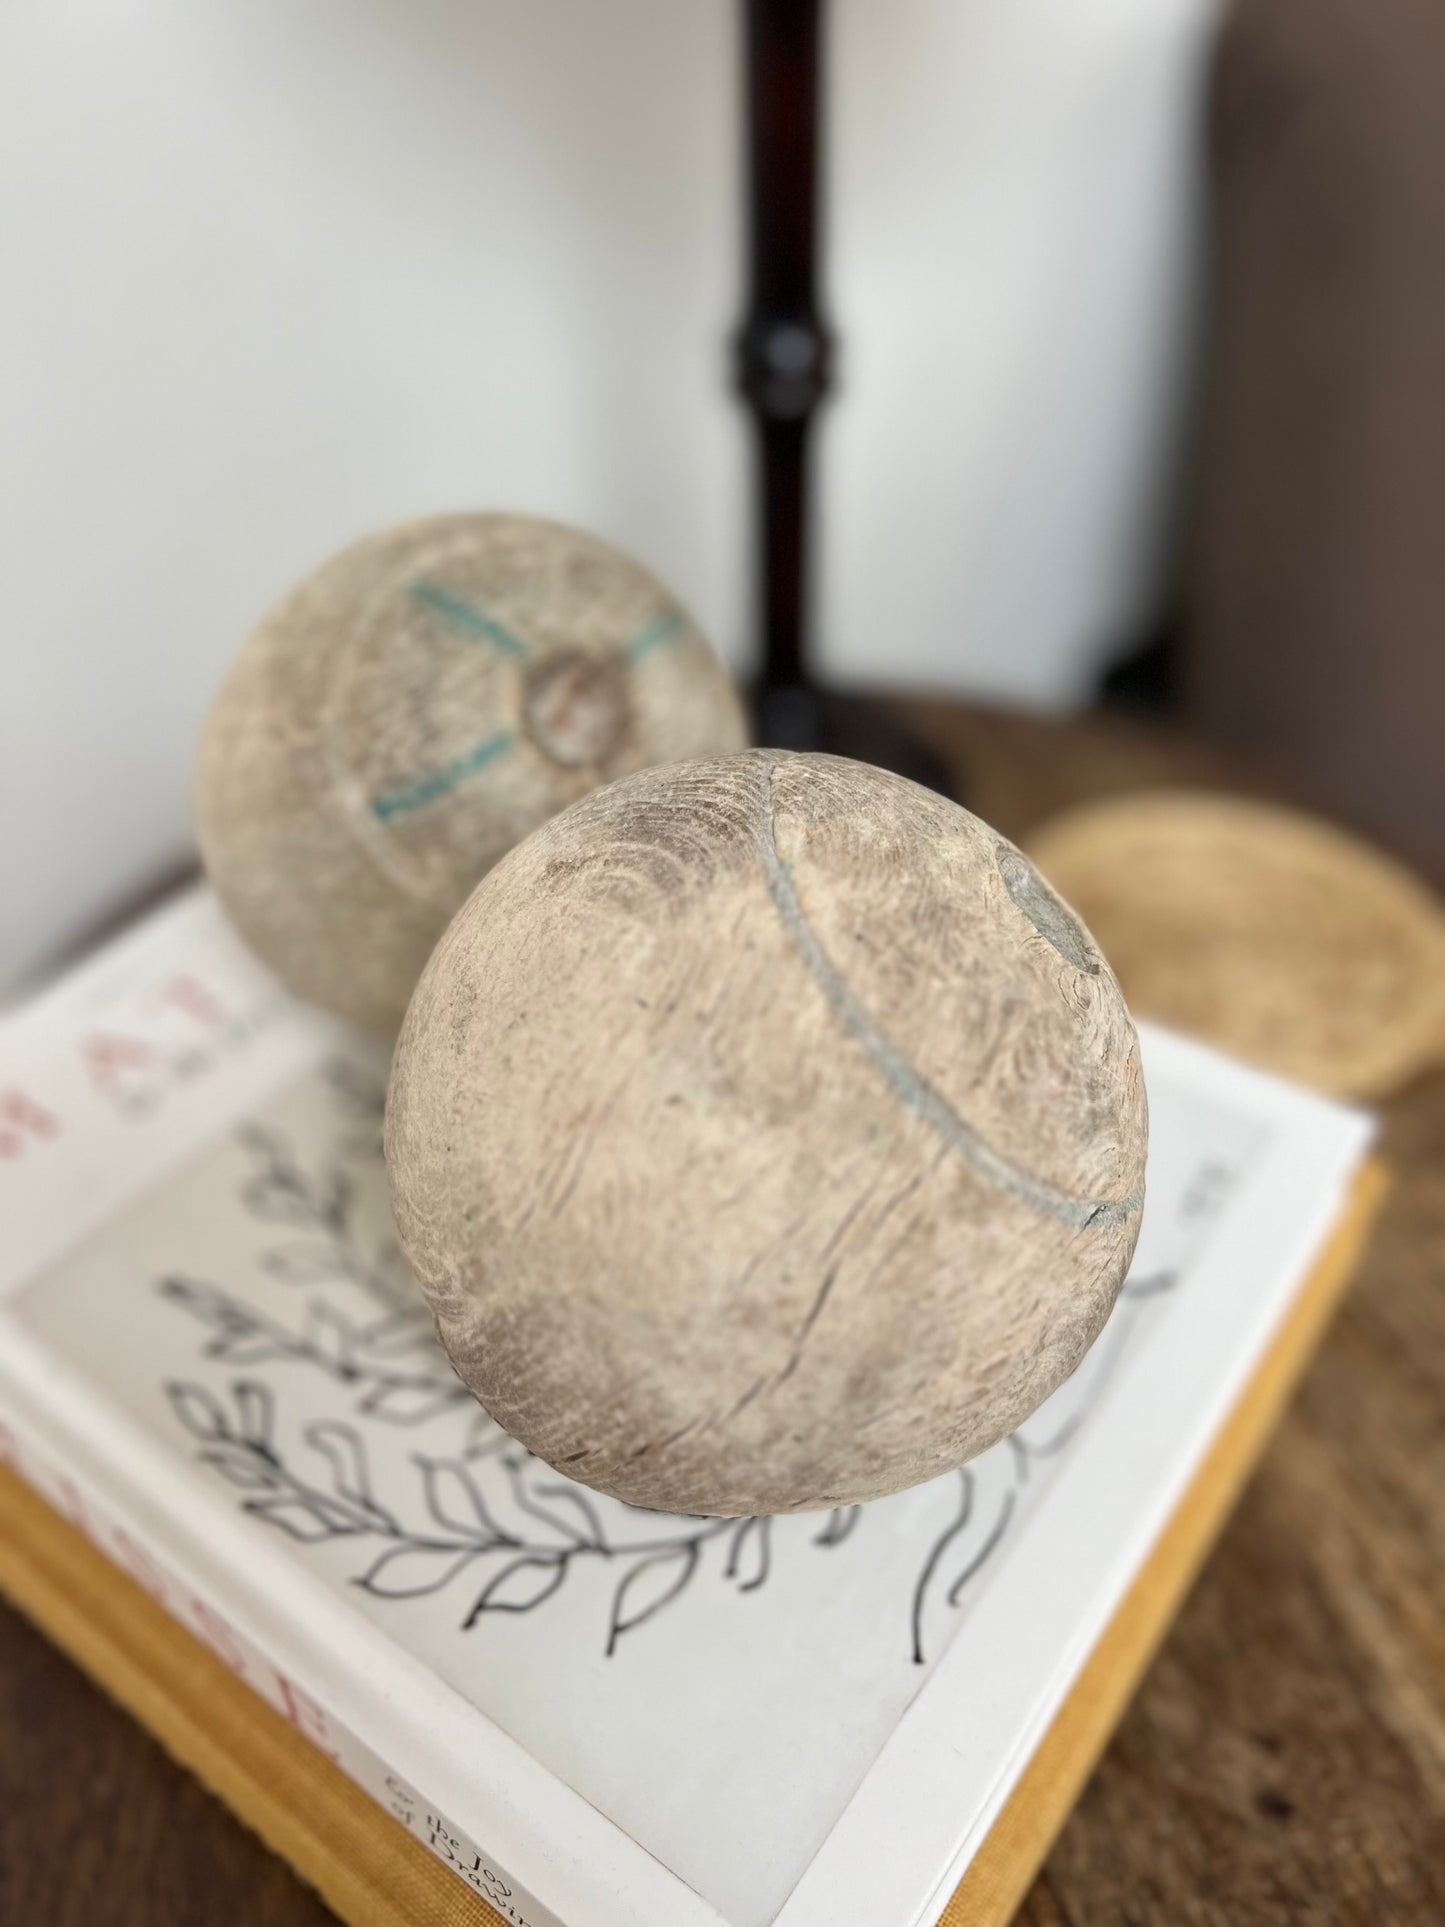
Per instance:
x=99, y=1827
x=766, y=1136
x=411, y=710
x=1311, y=620
x=1285, y=1759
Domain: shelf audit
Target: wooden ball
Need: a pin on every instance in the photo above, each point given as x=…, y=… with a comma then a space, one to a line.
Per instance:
x=766, y=1135
x=411, y=711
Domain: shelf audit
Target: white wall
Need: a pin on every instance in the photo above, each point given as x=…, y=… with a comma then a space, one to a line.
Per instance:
x=275, y=273
x=1018, y=189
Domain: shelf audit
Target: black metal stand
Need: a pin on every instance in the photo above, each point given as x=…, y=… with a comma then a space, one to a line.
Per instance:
x=784, y=371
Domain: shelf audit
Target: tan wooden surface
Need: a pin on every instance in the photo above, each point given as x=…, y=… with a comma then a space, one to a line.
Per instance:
x=1285, y=1758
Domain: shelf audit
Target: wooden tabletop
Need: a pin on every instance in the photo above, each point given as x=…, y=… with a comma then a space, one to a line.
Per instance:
x=1285, y=1759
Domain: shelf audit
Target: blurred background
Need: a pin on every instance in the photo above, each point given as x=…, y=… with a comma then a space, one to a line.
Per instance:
x=276, y=275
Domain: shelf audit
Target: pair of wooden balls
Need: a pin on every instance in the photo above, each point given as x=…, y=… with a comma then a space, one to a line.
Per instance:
x=411, y=711
x=764, y=1133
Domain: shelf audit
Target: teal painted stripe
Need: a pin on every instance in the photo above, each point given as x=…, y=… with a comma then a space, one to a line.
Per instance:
x=921, y=1097
x=443, y=781
x=464, y=615
x=652, y=635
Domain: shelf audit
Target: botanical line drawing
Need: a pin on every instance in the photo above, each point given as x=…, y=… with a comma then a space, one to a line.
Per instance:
x=488, y=1518
x=508, y=1570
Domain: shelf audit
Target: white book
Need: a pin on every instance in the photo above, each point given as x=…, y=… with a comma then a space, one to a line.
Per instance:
x=213, y=1362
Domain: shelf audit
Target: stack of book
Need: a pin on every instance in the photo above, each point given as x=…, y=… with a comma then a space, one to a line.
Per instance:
x=247, y=1492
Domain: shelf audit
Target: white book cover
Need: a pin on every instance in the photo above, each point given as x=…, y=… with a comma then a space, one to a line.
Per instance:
x=212, y=1359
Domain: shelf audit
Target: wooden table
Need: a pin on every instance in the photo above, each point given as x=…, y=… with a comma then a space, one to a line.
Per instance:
x=1285, y=1760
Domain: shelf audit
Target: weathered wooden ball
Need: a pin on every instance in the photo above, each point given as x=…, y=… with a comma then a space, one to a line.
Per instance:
x=765, y=1135
x=411, y=711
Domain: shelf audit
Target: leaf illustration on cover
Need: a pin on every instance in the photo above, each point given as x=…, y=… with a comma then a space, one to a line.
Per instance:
x=240, y=1466
x=1026, y=1449
x=336, y=1199
x=304, y=1263
x=260, y=1140
x=981, y=1557
x=650, y=1585
x=330, y=1337
x=363, y=1094
x=342, y=1448
x=255, y=1412
x=303, y=1519
x=566, y=1503
x=841, y=1521
x=416, y=1570
x=277, y=1200
x=524, y=1511
x=195, y=1296
x=1150, y=1286
x=281, y=1193
x=198, y=1411
x=519, y=1586
x=254, y=1346
x=390, y=1266
x=237, y=1333
x=455, y=1501
x=931, y=1565
x=750, y=1554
